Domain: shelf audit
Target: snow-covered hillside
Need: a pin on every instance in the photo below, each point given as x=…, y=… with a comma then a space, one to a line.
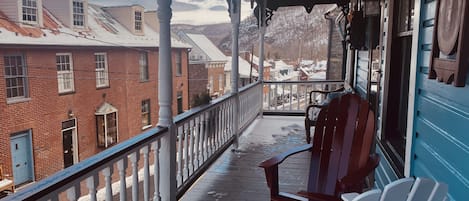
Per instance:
x=292, y=33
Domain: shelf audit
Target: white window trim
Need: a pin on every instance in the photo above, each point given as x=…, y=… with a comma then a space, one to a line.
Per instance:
x=149, y=114
x=102, y=73
x=82, y=14
x=25, y=96
x=220, y=82
x=139, y=21
x=144, y=69
x=30, y=7
x=61, y=74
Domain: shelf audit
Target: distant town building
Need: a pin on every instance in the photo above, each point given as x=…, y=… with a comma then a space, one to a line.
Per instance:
x=247, y=74
x=204, y=53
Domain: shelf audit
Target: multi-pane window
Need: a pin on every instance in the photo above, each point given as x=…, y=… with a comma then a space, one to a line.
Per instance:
x=30, y=12
x=15, y=76
x=102, y=78
x=143, y=62
x=64, y=65
x=78, y=13
x=138, y=21
x=220, y=82
x=178, y=63
x=210, y=84
x=106, y=125
x=179, y=102
x=146, y=113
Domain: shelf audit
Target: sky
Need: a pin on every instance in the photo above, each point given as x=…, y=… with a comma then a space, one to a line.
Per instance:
x=194, y=12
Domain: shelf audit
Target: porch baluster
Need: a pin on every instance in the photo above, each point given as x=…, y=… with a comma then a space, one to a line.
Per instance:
x=73, y=193
x=121, y=167
x=186, y=152
x=179, y=153
x=192, y=143
x=156, y=169
x=92, y=184
x=146, y=174
x=134, y=158
x=107, y=173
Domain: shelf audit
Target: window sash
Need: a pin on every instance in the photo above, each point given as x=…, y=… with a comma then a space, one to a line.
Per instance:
x=65, y=73
x=78, y=14
x=143, y=62
x=146, y=113
x=15, y=77
x=29, y=10
x=178, y=63
x=138, y=21
x=107, y=129
x=102, y=77
x=220, y=82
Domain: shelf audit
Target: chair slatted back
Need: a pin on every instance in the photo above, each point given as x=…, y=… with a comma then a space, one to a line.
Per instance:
x=341, y=142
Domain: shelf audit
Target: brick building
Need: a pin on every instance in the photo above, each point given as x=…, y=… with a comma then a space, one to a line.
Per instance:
x=76, y=84
x=205, y=53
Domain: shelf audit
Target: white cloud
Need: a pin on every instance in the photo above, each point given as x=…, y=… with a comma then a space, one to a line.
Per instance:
x=194, y=12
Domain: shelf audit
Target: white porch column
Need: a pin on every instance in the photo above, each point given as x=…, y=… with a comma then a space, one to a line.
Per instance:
x=262, y=28
x=165, y=97
x=234, y=9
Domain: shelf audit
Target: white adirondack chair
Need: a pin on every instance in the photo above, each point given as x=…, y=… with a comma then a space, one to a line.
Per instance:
x=407, y=189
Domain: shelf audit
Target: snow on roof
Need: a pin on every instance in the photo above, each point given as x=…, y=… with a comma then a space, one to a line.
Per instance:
x=103, y=30
x=280, y=64
x=207, y=47
x=255, y=60
x=244, y=68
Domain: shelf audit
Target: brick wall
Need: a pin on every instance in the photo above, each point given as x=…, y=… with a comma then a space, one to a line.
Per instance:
x=197, y=80
x=45, y=110
x=215, y=70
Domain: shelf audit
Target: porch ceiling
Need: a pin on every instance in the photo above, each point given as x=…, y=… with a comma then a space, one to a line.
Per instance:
x=273, y=5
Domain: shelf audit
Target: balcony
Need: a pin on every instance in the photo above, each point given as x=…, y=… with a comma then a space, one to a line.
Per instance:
x=208, y=159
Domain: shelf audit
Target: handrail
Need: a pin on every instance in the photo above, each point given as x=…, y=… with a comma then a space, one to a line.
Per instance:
x=84, y=168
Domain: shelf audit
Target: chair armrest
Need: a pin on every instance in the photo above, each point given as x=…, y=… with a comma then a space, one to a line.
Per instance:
x=360, y=174
x=271, y=167
x=317, y=196
x=274, y=161
x=323, y=92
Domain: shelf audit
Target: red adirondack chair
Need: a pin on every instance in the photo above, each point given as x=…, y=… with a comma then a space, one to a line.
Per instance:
x=340, y=152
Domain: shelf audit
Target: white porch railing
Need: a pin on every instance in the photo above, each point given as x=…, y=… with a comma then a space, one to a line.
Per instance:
x=293, y=96
x=203, y=134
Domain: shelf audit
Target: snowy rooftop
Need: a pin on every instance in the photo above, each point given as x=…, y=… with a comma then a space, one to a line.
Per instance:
x=207, y=46
x=244, y=68
x=255, y=60
x=104, y=30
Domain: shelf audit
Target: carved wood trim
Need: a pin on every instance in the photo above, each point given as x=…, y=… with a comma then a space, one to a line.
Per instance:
x=450, y=49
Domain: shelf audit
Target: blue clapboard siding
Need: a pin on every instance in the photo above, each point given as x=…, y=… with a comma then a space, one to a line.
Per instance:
x=361, y=77
x=384, y=174
x=440, y=148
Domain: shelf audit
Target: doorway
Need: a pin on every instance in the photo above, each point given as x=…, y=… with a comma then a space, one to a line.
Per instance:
x=396, y=107
x=22, y=157
x=70, y=153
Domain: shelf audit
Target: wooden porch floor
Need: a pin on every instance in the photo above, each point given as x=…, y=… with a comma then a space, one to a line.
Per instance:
x=235, y=175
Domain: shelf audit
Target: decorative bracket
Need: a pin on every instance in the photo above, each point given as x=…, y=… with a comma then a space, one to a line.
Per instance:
x=450, y=50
